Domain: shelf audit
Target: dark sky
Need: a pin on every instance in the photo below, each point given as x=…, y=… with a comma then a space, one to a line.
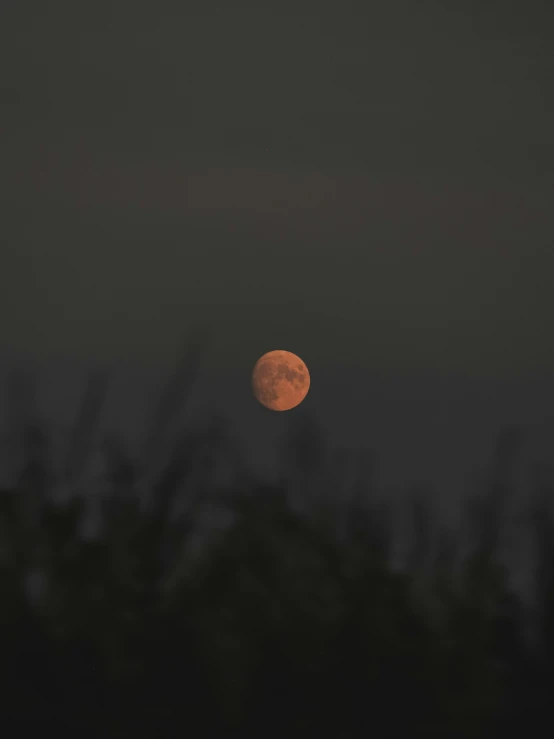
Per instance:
x=369, y=185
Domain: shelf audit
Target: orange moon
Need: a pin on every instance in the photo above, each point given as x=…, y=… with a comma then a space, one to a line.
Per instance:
x=280, y=380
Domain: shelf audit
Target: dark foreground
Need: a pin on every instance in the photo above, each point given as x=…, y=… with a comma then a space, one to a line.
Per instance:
x=281, y=621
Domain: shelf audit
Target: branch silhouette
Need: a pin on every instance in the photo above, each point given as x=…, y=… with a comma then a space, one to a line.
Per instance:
x=279, y=622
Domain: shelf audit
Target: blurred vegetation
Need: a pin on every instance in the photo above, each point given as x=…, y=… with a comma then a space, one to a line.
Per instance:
x=201, y=608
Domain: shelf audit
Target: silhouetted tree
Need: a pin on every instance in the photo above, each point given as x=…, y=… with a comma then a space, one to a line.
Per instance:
x=289, y=621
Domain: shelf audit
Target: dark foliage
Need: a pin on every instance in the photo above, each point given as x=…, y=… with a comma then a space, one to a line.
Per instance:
x=277, y=623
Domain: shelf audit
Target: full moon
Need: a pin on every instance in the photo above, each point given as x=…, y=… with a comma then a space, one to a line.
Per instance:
x=280, y=380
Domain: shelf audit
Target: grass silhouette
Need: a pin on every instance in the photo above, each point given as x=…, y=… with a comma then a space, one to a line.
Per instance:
x=286, y=621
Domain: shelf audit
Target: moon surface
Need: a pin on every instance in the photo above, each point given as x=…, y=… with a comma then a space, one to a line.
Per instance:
x=280, y=380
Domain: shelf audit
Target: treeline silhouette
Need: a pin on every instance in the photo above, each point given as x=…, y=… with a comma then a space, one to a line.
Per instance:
x=206, y=607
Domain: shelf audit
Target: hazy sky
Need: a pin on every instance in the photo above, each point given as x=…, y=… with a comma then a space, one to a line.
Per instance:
x=369, y=185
